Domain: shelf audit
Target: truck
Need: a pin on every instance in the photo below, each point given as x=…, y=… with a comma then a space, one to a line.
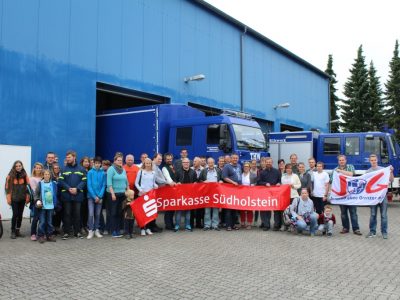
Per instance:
x=326, y=147
x=164, y=128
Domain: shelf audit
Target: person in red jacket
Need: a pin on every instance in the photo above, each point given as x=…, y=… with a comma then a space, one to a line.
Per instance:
x=326, y=221
x=131, y=170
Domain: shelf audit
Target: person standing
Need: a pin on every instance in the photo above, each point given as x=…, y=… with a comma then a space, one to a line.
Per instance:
x=46, y=201
x=178, y=163
x=131, y=170
x=347, y=169
x=373, y=160
x=291, y=179
x=183, y=176
x=281, y=166
x=232, y=173
x=96, y=183
x=305, y=178
x=37, y=176
x=143, y=156
x=293, y=162
x=320, y=188
x=85, y=163
x=169, y=173
x=197, y=215
x=145, y=182
x=72, y=183
x=270, y=176
x=117, y=184
x=248, y=179
x=211, y=174
x=17, y=196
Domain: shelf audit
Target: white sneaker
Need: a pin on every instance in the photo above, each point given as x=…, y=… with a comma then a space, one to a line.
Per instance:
x=143, y=232
x=148, y=231
x=98, y=234
x=90, y=235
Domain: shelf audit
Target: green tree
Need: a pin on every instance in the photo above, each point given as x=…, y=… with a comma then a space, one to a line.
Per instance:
x=392, y=93
x=356, y=109
x=333, y=98
x=375, y=98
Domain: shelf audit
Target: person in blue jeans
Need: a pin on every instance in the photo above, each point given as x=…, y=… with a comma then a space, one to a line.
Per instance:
x=46, y=201
x=96, y=184
x=302, y=211
x=184, y=175
x=373, y=160
x=348, y=170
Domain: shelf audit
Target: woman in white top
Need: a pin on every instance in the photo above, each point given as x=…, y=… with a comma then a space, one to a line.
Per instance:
x=37, y=175
x=248, y=178
x=145, y=182
x=293, y=180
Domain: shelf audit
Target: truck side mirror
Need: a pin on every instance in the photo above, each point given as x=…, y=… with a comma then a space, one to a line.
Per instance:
x=224, y=139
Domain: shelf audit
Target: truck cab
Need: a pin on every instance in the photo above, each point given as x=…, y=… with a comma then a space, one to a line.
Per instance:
x=216, y=136
x=357, y=147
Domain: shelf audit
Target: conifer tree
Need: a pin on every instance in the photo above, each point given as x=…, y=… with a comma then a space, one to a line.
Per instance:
x=333, y=98
x=356, y=105
x=375, y=98
x=392, y=93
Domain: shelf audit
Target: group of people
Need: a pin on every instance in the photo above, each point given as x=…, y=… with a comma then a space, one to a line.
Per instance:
x=93, y=197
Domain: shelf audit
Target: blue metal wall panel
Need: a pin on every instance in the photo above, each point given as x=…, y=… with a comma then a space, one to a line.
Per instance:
x=52, y=53
x=272, y=78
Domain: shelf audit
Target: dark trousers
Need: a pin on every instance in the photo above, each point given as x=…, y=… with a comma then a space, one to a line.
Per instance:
x=18, y=211
x=318, y=204
x=197, y=218
x=35, y=220
x=57, y=218
x=169, y=219
x=128, y=224
x=115, y=208
x=266, y=218
x=230, y=217
x=72, y=216
x=84, y=213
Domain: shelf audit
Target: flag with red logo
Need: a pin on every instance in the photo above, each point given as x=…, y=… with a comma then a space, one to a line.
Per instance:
x=201, y=195
x=368, y=189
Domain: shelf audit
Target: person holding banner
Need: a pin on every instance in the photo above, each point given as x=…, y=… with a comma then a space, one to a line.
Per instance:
x=169, y=173
x=184, y=175
x=211, y=174
x=373, y=160
x=232, y=173
x=248, y=179
x=145, y=182
x=269, y=176
x=348, y=170
x=302, y=211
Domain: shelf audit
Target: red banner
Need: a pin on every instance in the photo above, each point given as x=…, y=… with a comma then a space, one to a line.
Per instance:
x=201, y=195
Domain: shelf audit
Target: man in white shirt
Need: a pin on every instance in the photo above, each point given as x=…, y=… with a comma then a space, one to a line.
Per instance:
x=320, y=188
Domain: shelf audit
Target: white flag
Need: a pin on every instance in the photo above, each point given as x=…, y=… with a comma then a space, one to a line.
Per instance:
x=368, y=189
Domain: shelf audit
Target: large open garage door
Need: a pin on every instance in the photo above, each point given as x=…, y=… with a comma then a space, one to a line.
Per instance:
x=115, y=97
x=111, y=97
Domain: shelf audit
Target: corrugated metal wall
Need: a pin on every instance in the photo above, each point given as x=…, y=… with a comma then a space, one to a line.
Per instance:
x=52, y=53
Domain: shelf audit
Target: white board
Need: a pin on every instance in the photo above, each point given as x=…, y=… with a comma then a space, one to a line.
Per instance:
x=8, y=155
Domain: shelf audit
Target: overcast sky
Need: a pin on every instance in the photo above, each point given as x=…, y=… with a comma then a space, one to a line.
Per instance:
x=313, y=29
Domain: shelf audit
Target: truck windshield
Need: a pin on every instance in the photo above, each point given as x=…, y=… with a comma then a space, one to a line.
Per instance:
x=250, y=138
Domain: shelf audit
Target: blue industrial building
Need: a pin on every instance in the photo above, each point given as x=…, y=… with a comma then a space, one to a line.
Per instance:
x=61, y=61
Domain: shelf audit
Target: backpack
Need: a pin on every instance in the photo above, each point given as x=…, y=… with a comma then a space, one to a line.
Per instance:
x=287, y=216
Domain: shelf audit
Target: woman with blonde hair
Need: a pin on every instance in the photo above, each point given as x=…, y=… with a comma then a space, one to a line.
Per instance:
x=37, y=176
x=145, y=182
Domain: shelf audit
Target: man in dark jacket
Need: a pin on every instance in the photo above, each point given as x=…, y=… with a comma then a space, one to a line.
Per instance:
x=270, y=176
x=72, y=182
x=211, y=174
x=184, y=175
